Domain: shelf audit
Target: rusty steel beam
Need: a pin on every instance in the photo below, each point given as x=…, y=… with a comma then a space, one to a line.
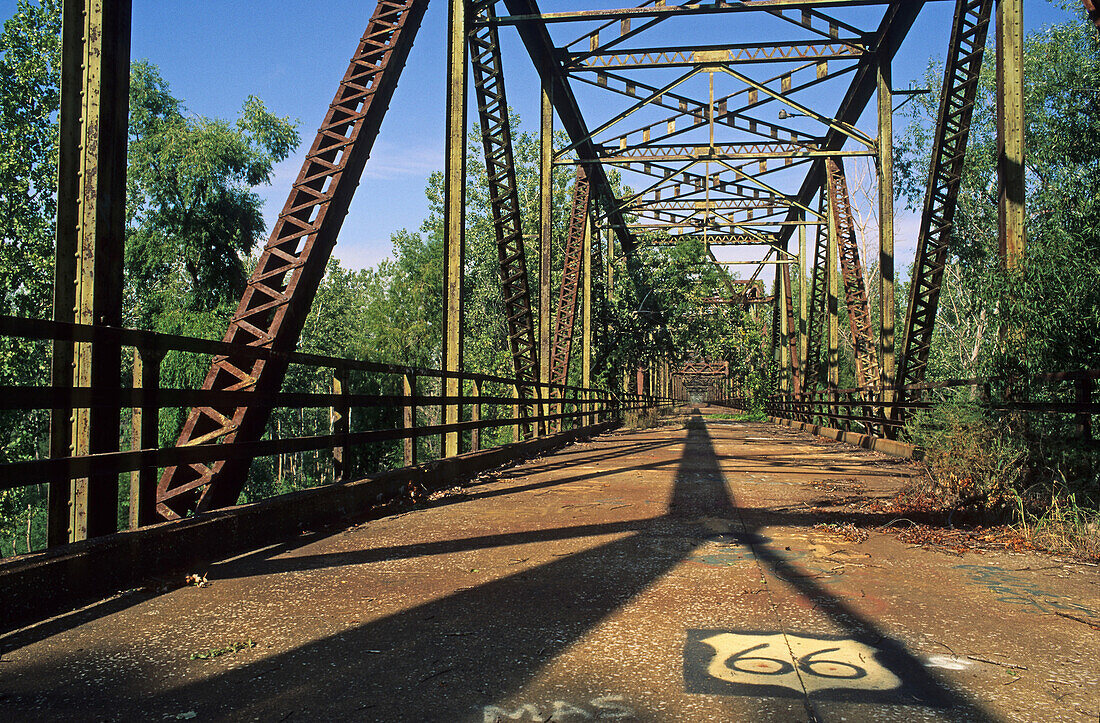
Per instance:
x=748, y=151
x=855, y=289
x=660, y=9
x=815, y=318
x=587, y=239
x=791, y=335
x=91, y=221
x=724, y=204
x=777, y=347
x=960, y=87
x=565, y=315
x=277, y=298
x=716, y=240
x=500, y=170
x=896, y=23
x=544, y=55
x=763, y=52
x=703, y=367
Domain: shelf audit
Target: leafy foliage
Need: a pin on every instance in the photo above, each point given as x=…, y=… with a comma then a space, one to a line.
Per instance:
x=1042, y=316
x=30, y=57
x=1054, y=297
x=193, y=216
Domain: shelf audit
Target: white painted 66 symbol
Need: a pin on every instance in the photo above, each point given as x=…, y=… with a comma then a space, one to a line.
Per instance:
x=794, y=662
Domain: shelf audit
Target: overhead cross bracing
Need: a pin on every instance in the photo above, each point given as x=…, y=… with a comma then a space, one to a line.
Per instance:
x=716, y=136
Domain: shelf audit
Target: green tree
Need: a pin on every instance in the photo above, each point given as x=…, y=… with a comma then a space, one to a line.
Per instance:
x=193, y=216
x=29, y=98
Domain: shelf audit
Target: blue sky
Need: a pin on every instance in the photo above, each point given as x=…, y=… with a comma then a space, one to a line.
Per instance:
x=291, y=54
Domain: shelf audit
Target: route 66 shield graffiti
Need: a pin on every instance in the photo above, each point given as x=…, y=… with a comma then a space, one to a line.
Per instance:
x=752, y=663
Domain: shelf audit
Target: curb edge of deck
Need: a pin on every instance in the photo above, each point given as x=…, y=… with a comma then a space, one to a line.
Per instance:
x=866, y=441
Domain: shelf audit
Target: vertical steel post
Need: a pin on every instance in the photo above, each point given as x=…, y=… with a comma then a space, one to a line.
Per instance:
x=454, y=215
x=1012, y=233
x=790, y=341
x=777, y=331
x=783, y=292
x=517, y=428
x=832, y=291
x=65, y=255
x=803, y=308
x=408, y=417
x=340, y=421
x=586, y=315
x=546, y=230
x=610, y=265
x=145, y=433
x=887, y=303
x=475, y=414
x=95, y=72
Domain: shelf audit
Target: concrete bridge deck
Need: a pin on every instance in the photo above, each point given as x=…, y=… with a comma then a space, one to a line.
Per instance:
x=670, y=574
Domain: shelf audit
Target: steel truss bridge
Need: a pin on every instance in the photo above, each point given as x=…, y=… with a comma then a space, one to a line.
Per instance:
x=733, y=123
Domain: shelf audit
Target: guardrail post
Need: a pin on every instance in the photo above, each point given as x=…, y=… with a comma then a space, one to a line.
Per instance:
x=408, y=416
x=475, y=415
x=1084, y=396
x=339, y=415
x=145, y=434
x=557, y=408
x=517, y=432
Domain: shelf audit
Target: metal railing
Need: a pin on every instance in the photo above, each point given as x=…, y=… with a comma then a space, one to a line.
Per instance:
x=485, y=402
x=867, y=410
